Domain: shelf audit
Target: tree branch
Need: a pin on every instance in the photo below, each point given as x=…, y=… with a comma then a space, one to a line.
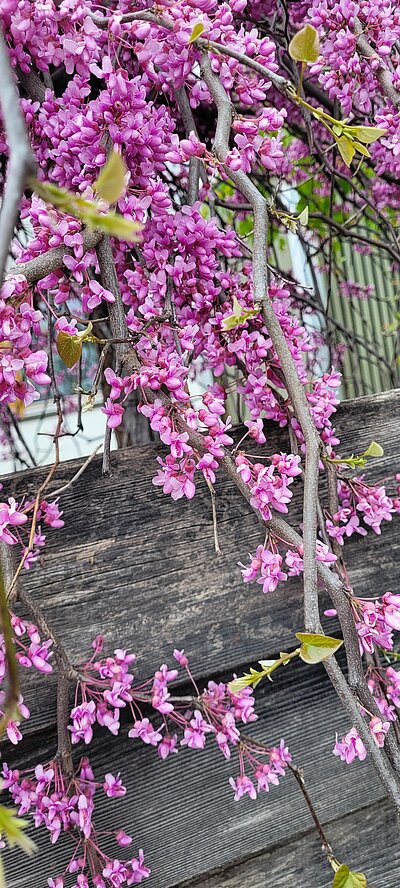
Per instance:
x=293, y=384
x=381, y=72
x=39, y=267
x=21, y=164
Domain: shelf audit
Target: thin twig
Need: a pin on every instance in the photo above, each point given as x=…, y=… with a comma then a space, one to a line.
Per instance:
x=196, y=167
x=12, y=591
x=77, y=474
x=41, y=622
x=109, y=279
x=64, y=748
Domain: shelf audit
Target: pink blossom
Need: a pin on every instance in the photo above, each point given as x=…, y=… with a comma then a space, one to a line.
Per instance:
x=350, y=747
x=114, y=412
x=143, y=729
x=195, y=733
x=243, y=786
x=83, y=717
x=113, y=786
x=378, y=730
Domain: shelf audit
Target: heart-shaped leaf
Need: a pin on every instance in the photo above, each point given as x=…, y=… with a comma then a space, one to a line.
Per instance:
x=111, y=182
x=315, y=648
x=304, y=46
x=365, y=134
x=197, y=31
x=69, y=348
x=374, y=449
x=344, y=878
x=346, y=148
x=113, y=224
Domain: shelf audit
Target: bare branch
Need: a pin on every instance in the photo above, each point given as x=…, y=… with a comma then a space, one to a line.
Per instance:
x=196, y=167
x=108, y=277
x=214, y=515
x=77, y=474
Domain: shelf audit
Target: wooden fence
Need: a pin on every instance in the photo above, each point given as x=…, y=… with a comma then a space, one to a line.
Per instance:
x=142, y=570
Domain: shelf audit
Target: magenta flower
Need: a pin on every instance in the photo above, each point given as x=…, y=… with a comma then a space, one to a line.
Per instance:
x=195, y=733
x=266, y=777
x=350, y=747
x=145, y=731
x=83, y=717
x=243, y=786
x=113, y=787
x=167, y=746
x=114, y=412
x=378, y=730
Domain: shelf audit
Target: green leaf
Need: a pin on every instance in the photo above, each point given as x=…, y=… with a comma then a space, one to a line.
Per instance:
x=69, y=348
x=344, y=878
x=361, y=149
x=346, y=148
x=251, y=678
x=245, y=226
x=304, y=46
x=315, y=648
x=303, y=217
x=13, y=827
x=197, y=31
x=88, y=211
x=240, y=315
x=365, y=134
x=85, y=334
x=111, y=182
x=337, y=129
x=374, y=449
x=115, y=225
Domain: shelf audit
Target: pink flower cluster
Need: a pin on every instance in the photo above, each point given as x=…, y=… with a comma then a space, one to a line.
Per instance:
x=351, y=746
x=22, y=366
x=107, y=687
x=266, y=564
x=66, y=806
x=375, y=621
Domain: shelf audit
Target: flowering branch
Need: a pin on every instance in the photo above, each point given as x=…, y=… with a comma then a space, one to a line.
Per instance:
x=48, y=261
x=381, y=72
x=21, y=164
x=294, y=387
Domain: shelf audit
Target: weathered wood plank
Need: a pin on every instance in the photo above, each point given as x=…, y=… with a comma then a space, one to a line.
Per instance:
x=182, y=811
x=301, y=863
x=142, y=570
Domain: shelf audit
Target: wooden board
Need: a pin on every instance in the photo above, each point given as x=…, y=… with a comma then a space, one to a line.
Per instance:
x=142, y=570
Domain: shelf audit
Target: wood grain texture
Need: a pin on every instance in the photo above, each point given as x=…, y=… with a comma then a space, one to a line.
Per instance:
x=142, y=570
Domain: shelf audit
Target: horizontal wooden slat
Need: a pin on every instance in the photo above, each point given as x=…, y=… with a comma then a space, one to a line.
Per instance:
x=141, y=569
x=356, y=840
x=132, y=564
x=182, y=811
